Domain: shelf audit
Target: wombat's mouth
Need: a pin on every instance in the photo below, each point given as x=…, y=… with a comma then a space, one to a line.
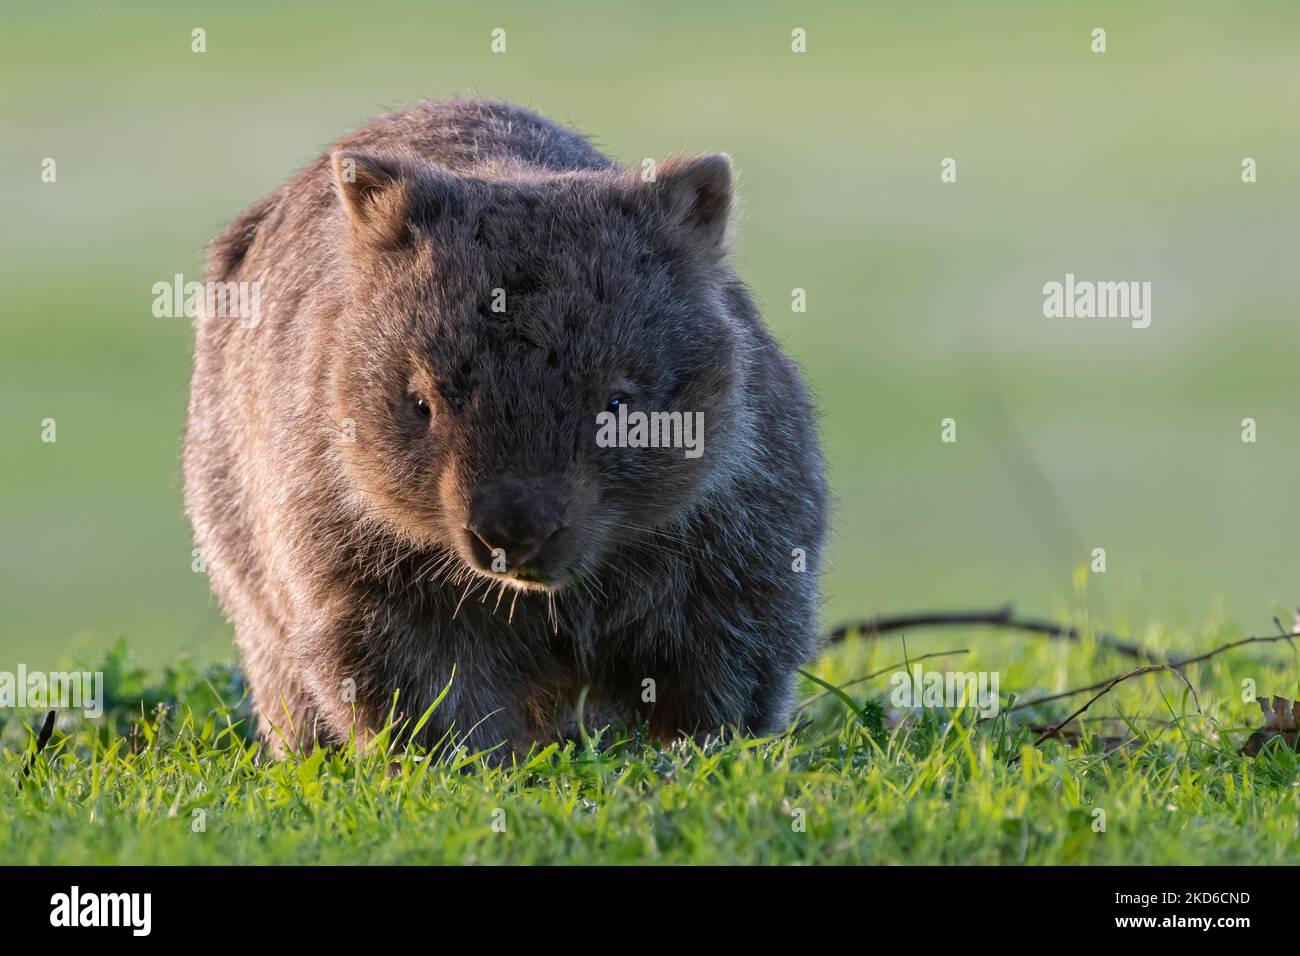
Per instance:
x=532, y=576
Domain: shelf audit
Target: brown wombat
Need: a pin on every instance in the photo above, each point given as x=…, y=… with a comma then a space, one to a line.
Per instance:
x=401, y=477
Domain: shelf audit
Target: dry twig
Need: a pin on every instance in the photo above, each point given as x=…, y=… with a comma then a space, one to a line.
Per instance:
x=1119, y=678
x=865, y=677
x=999, y=618
x=1179, y=664
x=43, y=738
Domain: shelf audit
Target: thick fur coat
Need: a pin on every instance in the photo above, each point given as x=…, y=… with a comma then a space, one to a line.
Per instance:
x=448, y=300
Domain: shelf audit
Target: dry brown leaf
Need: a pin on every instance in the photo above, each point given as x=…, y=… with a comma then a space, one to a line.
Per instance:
x=1281, y=719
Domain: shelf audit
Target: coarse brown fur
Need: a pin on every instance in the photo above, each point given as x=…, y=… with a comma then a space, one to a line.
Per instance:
x=448, y=300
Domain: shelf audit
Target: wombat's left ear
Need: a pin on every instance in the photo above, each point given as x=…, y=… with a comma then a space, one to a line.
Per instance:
x=697, y=191
x=372, y=193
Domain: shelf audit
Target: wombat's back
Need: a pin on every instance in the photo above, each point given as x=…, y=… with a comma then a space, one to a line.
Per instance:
x=466, y=135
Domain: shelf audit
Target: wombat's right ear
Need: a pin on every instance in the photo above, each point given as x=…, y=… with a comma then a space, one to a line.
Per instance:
x=373, y=194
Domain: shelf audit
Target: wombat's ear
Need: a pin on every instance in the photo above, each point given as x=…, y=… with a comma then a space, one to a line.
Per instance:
x=371, y=189
x=697, y=191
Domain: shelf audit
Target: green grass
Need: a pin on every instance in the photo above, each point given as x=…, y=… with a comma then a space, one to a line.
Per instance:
x=940, y=787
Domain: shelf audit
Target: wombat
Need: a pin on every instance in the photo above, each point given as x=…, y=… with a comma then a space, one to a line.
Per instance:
x=402, y=478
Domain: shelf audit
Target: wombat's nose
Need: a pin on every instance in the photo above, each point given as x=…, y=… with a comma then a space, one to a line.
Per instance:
x=516, y=517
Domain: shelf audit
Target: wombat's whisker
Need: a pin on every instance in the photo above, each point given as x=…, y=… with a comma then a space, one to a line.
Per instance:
x=674, y=539
x=655, y=551
x=334, y=426
x=468, y=586
x=442, y=560
x=662, y=532
x=616, y=565
x=592, y=587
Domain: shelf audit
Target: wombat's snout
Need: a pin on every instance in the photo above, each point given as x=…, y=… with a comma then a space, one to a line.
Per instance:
x=512, y=523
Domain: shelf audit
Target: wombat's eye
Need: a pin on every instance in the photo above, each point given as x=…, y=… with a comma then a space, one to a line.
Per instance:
x=422, y=408
x=615, y=400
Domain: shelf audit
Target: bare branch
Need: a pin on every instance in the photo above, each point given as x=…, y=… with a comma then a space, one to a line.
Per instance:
x=43, y=738
x=999, y=618
x=1267, y=639
x=865, y=677
x=1120, y=678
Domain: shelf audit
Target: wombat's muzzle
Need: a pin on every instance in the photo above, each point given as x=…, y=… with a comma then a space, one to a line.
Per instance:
x=513, y=524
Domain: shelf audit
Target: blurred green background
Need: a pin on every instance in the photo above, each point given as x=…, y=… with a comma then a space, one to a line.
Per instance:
x=924, y=299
